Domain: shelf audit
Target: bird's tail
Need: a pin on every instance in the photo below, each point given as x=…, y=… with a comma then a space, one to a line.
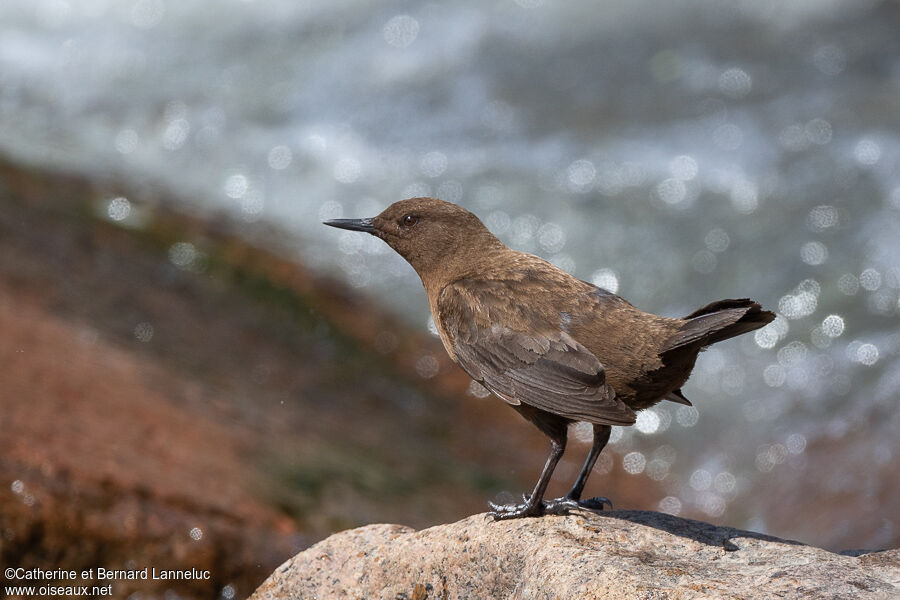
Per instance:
x=718, y=321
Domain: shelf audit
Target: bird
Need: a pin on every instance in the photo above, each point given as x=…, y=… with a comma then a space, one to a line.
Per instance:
x=555, y=348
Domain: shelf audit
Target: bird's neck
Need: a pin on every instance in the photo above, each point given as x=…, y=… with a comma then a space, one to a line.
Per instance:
x=463, y=260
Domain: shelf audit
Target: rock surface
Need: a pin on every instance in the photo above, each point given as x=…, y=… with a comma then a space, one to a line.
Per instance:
x=621, y=554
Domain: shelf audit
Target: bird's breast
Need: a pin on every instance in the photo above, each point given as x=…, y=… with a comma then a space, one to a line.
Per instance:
x=448, y=339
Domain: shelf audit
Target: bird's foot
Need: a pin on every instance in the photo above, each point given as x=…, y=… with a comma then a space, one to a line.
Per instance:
x=557, y=506
x=516, y=511
x=562, y=506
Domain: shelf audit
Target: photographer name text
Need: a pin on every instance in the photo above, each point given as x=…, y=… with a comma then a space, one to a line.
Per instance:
x=103, y=574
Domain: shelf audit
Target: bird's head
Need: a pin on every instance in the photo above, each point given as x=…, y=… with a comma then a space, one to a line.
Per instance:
x=437, y=238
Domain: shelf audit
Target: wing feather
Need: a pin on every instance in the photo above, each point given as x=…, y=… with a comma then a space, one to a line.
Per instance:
x=548, y=370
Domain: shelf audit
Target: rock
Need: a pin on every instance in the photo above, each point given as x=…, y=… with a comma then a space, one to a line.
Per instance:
x=621, y=554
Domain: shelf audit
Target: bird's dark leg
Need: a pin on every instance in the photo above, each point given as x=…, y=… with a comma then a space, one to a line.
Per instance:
x=573, y=498
x=556, y=428
x=534, y=504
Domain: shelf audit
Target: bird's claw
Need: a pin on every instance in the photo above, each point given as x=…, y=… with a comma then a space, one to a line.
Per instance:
x=596, y=503
x=562, y=506
x=516, y=511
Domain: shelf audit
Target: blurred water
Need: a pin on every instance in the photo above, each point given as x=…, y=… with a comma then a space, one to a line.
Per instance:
x=678, y=152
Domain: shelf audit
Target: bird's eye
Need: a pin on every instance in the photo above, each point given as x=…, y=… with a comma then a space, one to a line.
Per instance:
x=409, y=220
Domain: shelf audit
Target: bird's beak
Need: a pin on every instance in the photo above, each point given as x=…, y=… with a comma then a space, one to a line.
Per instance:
x=366, y=225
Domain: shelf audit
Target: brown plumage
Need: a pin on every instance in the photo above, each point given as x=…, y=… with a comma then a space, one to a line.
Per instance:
x=556, y=348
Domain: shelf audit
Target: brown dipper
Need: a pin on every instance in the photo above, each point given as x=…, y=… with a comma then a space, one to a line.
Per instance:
x=557, y=349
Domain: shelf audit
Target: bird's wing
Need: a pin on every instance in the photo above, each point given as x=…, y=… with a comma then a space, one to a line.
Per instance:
x=547, y=369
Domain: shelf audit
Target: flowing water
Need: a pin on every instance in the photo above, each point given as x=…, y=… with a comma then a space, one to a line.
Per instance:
x=675, y=153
